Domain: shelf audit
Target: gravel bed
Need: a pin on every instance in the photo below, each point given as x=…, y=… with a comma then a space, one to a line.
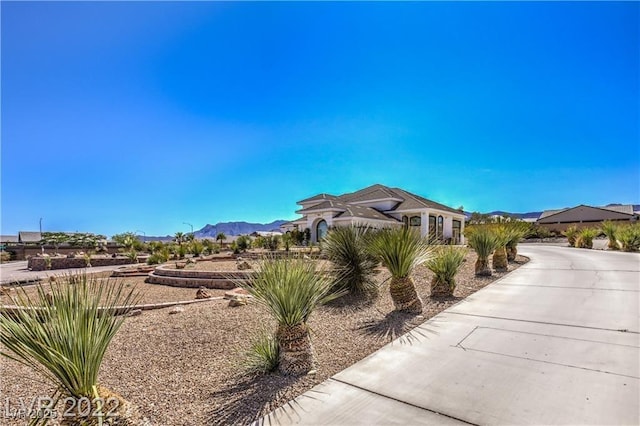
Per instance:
x=185, y=369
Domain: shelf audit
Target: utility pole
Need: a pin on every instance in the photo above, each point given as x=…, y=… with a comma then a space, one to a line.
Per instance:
x=187, y=223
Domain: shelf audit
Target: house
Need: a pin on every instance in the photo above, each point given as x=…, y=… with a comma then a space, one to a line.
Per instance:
x=29, y=237
x=584, y=216
x=378, y=206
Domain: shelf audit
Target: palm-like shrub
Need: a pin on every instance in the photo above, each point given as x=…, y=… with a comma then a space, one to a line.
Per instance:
x=291, y=289
x=445, y=264
x=221, y=237
x=571, y=233
x=502, y=235
x=585, y=237
x=610, y=229
x=347, y=248
x=629, y=237
x=64, y=335
x=483, y=240
x=517, y=231
x=401, y=250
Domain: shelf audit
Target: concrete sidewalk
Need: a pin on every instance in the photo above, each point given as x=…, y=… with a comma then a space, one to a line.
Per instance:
x=555, y=342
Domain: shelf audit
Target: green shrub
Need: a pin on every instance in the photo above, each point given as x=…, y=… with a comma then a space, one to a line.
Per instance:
x=196, y=247
x=629, y=237
x=347, y=248
x=243, y=242
x=291, y=289
x=161, y=256
x=445, y=264
x=585, y=237
x=64, y=334
x=5, y=256
x=610, y=230
x=401, y=250
x=483, y=240
x=263, y=354
x=133, y=255
x=572, y=234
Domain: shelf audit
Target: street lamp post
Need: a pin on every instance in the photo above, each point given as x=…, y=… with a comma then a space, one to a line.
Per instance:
x=187, y=223
x=41, y=243
x=144, y=236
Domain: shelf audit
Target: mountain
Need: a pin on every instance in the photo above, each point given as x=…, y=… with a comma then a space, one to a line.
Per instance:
x=237, y=228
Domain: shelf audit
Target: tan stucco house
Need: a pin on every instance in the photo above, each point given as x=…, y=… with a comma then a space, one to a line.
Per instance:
x=378, y=206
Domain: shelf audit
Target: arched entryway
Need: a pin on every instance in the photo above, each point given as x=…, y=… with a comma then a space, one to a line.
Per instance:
x=321, y=230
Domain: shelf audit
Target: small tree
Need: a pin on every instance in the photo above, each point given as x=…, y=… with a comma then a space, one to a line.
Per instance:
x=221, y=237
x=55, y=239
x=179, y=238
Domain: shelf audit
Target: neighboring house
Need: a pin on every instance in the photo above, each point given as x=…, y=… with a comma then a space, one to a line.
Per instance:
x=29, y=237
x=584, y=216
x=378, y=206
x=9, y=239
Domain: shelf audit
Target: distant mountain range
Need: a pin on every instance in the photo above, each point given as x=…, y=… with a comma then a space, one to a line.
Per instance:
x=238, y=228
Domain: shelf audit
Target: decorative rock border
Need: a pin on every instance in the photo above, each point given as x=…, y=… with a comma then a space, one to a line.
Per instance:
x=38, y=263
x=190, y=278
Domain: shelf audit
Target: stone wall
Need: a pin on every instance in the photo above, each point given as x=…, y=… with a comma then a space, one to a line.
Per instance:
x=39, y=263
x=23, y=252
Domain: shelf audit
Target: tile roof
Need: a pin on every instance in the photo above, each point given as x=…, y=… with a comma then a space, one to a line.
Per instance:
x=618, y=208
x=8, y=238
x=29, y=237
x=413, y=201
x=318, y=197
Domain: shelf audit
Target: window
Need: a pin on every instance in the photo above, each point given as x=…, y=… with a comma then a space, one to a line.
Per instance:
x=432, y=228
x=440, y=230
x=414, y=221
x=321, y=230
x=456, y=231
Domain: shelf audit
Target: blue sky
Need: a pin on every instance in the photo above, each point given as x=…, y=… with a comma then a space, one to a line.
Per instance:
x=124, y=116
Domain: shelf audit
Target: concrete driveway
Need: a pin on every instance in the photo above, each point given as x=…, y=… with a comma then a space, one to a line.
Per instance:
x=555, y=342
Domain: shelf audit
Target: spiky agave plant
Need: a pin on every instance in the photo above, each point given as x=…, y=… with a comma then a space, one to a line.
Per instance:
x=610, y=229
x=63, y=336
x=445, y=264
x=347, y=248
x=483, y=240
x=290, y=289
x=585, y=237
x=401, y=250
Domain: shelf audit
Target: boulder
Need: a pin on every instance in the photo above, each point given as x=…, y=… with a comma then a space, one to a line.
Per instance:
x=238, y=301
x=134, y=313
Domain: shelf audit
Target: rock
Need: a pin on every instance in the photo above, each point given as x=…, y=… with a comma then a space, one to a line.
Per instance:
x=181, y=265
x=236, y=292
x=134, y=313
x=191, y=260
x=243, y=265
x=202, y=294
x=52, y=279
x=238, y=301
x=176, y=310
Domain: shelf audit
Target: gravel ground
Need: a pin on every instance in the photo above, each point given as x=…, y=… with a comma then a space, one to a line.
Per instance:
x=185, y=369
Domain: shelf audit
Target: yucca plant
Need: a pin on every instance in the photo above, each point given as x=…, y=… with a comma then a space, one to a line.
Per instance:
x=571, y=233
x=482, y=239
x=63, y=335
x=610, y=229
x=291, y=289
x=401, y=250
x=263, y=354
x=629, y=237
x=585, y=237
x=517, y=231
x=445, y=264
x=502, y=236
x=347, y=248
x=196, y=247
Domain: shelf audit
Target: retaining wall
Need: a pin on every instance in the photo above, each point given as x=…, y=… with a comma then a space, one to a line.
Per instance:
x=39, y=264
